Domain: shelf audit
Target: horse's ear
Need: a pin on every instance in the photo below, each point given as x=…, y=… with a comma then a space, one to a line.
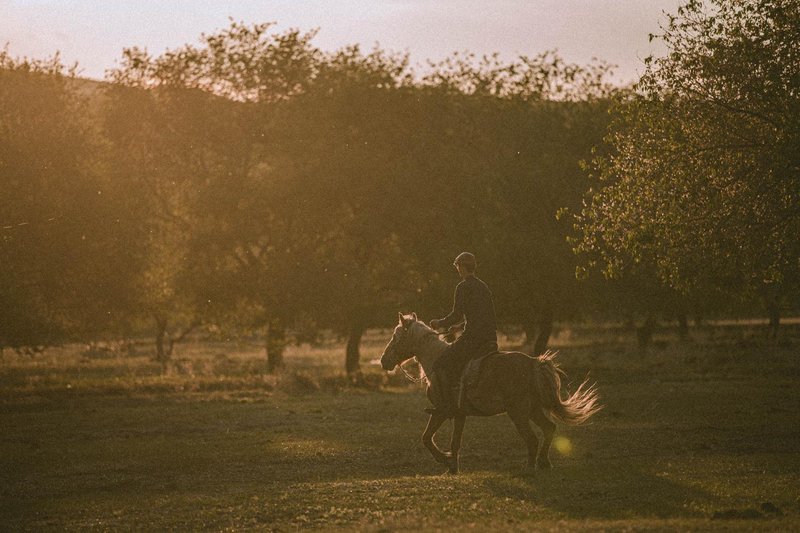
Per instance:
x=400, y=318
x=414, y=315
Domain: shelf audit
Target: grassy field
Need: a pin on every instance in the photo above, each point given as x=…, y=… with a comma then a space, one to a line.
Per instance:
x=701, y=435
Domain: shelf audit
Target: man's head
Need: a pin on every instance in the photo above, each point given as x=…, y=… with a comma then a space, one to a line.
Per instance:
x=465, y=264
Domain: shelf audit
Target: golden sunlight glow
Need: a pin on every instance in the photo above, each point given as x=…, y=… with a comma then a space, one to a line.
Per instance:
x=563, y=445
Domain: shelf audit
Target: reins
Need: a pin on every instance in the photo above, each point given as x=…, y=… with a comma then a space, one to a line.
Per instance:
x=410, y=377
x=408, y=374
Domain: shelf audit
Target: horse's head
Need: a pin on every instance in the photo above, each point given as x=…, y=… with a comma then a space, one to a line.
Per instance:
x=401, y=346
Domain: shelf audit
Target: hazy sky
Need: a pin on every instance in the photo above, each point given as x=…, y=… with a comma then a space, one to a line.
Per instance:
x=94, y=32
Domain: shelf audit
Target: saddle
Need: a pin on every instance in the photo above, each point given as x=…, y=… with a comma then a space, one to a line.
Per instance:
x=469, y=394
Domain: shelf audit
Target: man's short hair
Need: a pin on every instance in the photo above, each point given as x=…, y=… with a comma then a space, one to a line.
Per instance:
x=466, y=260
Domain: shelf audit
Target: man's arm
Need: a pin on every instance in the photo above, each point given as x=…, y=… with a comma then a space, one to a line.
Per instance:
x=457, y=314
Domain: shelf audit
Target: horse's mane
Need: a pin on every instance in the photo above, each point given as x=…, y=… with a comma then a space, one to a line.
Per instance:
x=424, y=325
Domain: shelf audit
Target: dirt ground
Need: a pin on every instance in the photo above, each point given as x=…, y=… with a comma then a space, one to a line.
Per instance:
x=698, y=435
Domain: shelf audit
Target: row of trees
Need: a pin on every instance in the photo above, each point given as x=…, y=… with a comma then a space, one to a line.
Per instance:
x=700, y=188
x=257, y=184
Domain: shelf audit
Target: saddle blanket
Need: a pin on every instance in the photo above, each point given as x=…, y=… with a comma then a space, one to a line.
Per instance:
x=469, y=391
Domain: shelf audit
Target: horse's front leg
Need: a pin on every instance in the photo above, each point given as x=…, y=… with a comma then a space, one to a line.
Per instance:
x=455, y=443
x=434, y=423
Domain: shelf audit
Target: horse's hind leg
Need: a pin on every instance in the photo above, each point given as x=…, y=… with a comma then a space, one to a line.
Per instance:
x=548, y=430
x=434, y=423
x=520, y=419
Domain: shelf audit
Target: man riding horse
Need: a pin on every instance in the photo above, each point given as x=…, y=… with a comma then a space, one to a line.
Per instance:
x=473, y=305
x=527, y=388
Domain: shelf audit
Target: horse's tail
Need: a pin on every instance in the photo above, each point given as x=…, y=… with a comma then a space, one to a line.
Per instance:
x=578, y=407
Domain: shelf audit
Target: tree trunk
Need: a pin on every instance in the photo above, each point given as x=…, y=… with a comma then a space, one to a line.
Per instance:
x=529, y=325
x=774, y=309
x=171, y=341
x=699, y=319
x=644, y=333
x=352, y=352
x=274, y=345
x=161, y=336
x=683, y=326
x=545, y=329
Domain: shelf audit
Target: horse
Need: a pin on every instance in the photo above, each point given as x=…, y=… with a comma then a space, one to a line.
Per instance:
x=526, y=388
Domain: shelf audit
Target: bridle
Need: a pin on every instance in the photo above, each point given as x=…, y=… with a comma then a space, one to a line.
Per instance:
x=402, y=347
x=409, y=376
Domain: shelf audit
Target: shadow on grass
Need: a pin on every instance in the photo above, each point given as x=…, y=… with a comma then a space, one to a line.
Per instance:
x=587, y=492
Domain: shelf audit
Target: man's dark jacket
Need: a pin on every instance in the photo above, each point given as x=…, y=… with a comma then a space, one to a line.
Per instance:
x=473, y=302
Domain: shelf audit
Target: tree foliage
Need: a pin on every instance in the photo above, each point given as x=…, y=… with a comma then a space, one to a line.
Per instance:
x=260, y=185
x=65, y=268
x=702, y=182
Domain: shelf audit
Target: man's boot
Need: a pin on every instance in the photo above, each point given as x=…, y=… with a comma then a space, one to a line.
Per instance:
x=444, y=396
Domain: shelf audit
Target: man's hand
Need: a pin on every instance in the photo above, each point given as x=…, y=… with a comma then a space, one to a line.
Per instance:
x=456, y=328
x=435, y=324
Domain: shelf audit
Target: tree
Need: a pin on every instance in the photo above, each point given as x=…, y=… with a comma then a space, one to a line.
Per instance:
x=162, y=139
x=339, y=141
x=526, y=125
x=702, y=181
x=64, y=273
x=243, y=238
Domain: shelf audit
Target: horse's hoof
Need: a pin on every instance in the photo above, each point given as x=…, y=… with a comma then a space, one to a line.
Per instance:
x=443, y=458
x=452, y=465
